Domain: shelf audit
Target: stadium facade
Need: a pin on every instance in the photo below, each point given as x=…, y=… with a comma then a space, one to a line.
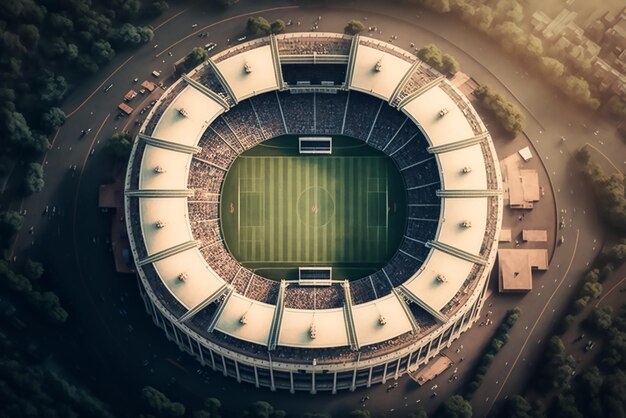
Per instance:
x=279, y=334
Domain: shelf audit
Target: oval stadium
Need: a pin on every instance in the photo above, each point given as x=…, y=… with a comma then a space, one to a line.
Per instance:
x=313, y=212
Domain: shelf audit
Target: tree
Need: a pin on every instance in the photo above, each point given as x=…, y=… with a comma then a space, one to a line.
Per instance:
x=53, y=119
x=449, y=64
x=29, y=36
x=439, y=6
x=419, y=413
x=33, y=269
x=601, y=318
x=102, y=52
x=360, y=413
x=518, y=407
x=48, y=303
x=616, y=107
x=577, y=89
x=197, y=56
x=258, y=26
x=160, y=404
x=431, y=55
x=228, y=3
x=33, y=181
x=52, y=87
x=129, y=34
x=262, y=409
x=278, y=26
x=354, y=27
x=120, y=145
x=10, y=223
x=157, y=7
x=455, y=407
x=12, y=280
x=617, y=252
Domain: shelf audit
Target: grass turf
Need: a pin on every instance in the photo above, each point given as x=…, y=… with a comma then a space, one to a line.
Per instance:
x=280, y=210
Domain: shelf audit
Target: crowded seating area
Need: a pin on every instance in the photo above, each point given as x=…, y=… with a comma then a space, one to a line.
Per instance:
x=426, y=172
x=231, y=52
x=408, y=133
x=221, y=261
x=262, y=289
x=202, y=211
x=422, y=75
x=268, y=111
x=242, y=280
x=424, y=195
x=362, y=109
x=389, y=49
x=298, y=111
x=205, y=176
x=222, y=129
x=329, y=111
x=244, y=124
x=214, y=149
x=411, y=154
x=388, y=122
x=313, y=45
x=201, y=321
x=135, y=164
x=207, y=232
x=361, y=291
x=207, y=77
x=402, y=267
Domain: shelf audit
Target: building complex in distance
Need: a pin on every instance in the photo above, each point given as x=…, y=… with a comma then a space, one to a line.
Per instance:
x=280, y=332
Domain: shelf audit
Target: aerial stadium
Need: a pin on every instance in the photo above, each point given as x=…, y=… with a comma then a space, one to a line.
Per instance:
x=313, y=212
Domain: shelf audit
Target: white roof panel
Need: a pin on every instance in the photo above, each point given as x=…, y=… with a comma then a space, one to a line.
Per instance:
x=454, y=162
x=201, y=280
x=262, y=77
x=186, y=130
x=258, y=316
x=175, y=164
x=172, y=211
x=457, y=211
x=439, y=130
x=426, y=286
x=380, y=83
x=366, y=320
x=329, y=325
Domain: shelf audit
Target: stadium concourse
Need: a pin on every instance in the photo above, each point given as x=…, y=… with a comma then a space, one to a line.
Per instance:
x=279, y=334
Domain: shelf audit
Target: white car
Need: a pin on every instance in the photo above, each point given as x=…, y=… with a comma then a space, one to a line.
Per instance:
x=195, y=25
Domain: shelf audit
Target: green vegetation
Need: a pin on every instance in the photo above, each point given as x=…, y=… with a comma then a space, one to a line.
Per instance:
x=119, y=145
x=260, y=26
x=500, y=338
x=32, y=389
x=444, y=63
x=354, y=27
x=47, y=303
x=609, y=192
x=508, y=114
x=262, y=409
x=455, y=407
x=196, y=57
x=33, y=180
x=158, y=404
x=280, y=210
x=10, y=223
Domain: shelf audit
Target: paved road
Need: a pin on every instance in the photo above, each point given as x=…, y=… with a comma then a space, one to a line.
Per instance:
x=106, y=309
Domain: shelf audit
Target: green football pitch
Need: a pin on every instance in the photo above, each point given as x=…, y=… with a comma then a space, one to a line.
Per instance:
x=281, y=210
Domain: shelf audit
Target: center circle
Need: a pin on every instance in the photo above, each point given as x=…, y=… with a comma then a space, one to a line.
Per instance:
x=315, y=207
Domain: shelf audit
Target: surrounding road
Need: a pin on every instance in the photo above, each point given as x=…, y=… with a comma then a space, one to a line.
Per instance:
x=117, y=348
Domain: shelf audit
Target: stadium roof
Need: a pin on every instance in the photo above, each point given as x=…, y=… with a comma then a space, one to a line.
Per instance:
x=440, y=130
x=260, y=78
x=186, y=129
x=163, y=169
x=381, y=83
x=258, y=319
x=200, y=280
x=177, y=133
x=173, y=213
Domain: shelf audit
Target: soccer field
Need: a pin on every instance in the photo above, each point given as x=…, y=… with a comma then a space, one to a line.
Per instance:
x=282, y=211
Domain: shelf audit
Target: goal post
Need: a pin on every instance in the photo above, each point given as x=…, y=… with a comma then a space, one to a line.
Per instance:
x=315, y=145
x=315, y=276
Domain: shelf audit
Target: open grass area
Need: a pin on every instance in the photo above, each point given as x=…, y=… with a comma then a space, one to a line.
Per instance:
x=280, y=210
